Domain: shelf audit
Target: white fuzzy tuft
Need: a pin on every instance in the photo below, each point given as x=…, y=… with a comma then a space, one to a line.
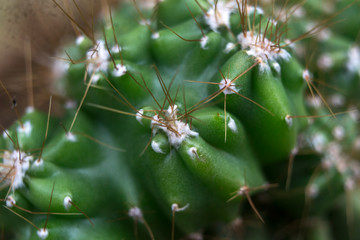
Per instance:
x=116, y=49
x=119, y=71
x=98, y=58
x=272, y=22
x=219, y=15
x=325, y=62
x=290, y=43
x=10, y=201
x=26, y=128
x=71, y=137
x=232, y=125
x=288, y=120
x=299, y=12
x=324, y=35
x=145, y=22
x=251, y=10
x=155, y=35
x=176, y=130
x=95, y=78
x=149, y=4
x=175, y=207
x=262, y=48
x=192, y=152
x=29, y=109
x=355, y=115
x=242, y=190
x=353, y=63
x=139, y=115
x=42, y=233
x=203, y=42
x=231, y=87
x=314, y=101
x=339, y=132
x=60, y=67
x=334, y=157
x=276, y=66
x=319, y=142
x=70, y=105
x=67, y=203
x=337, y=100
x=19, y=163
x=80, y=39
x=183, y=131
x=306, y=75
x=136, y=214
x=156, y=147
x=229, y=47
x=38, y=163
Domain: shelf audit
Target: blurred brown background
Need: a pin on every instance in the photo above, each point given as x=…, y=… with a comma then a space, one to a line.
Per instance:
x=44, y=25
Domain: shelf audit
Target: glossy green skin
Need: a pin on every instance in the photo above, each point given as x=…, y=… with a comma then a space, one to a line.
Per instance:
x=81, y=169
x=102, y=181
x=272, y=137
x=222, y=167
x=65, y=228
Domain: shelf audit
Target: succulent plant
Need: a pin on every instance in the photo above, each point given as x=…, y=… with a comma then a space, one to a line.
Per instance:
x=177, y=118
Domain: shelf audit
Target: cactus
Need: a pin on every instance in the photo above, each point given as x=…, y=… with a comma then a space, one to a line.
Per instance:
x=176, y=120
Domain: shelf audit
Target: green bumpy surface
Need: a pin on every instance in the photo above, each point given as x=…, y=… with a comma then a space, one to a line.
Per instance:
x=177, y=127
